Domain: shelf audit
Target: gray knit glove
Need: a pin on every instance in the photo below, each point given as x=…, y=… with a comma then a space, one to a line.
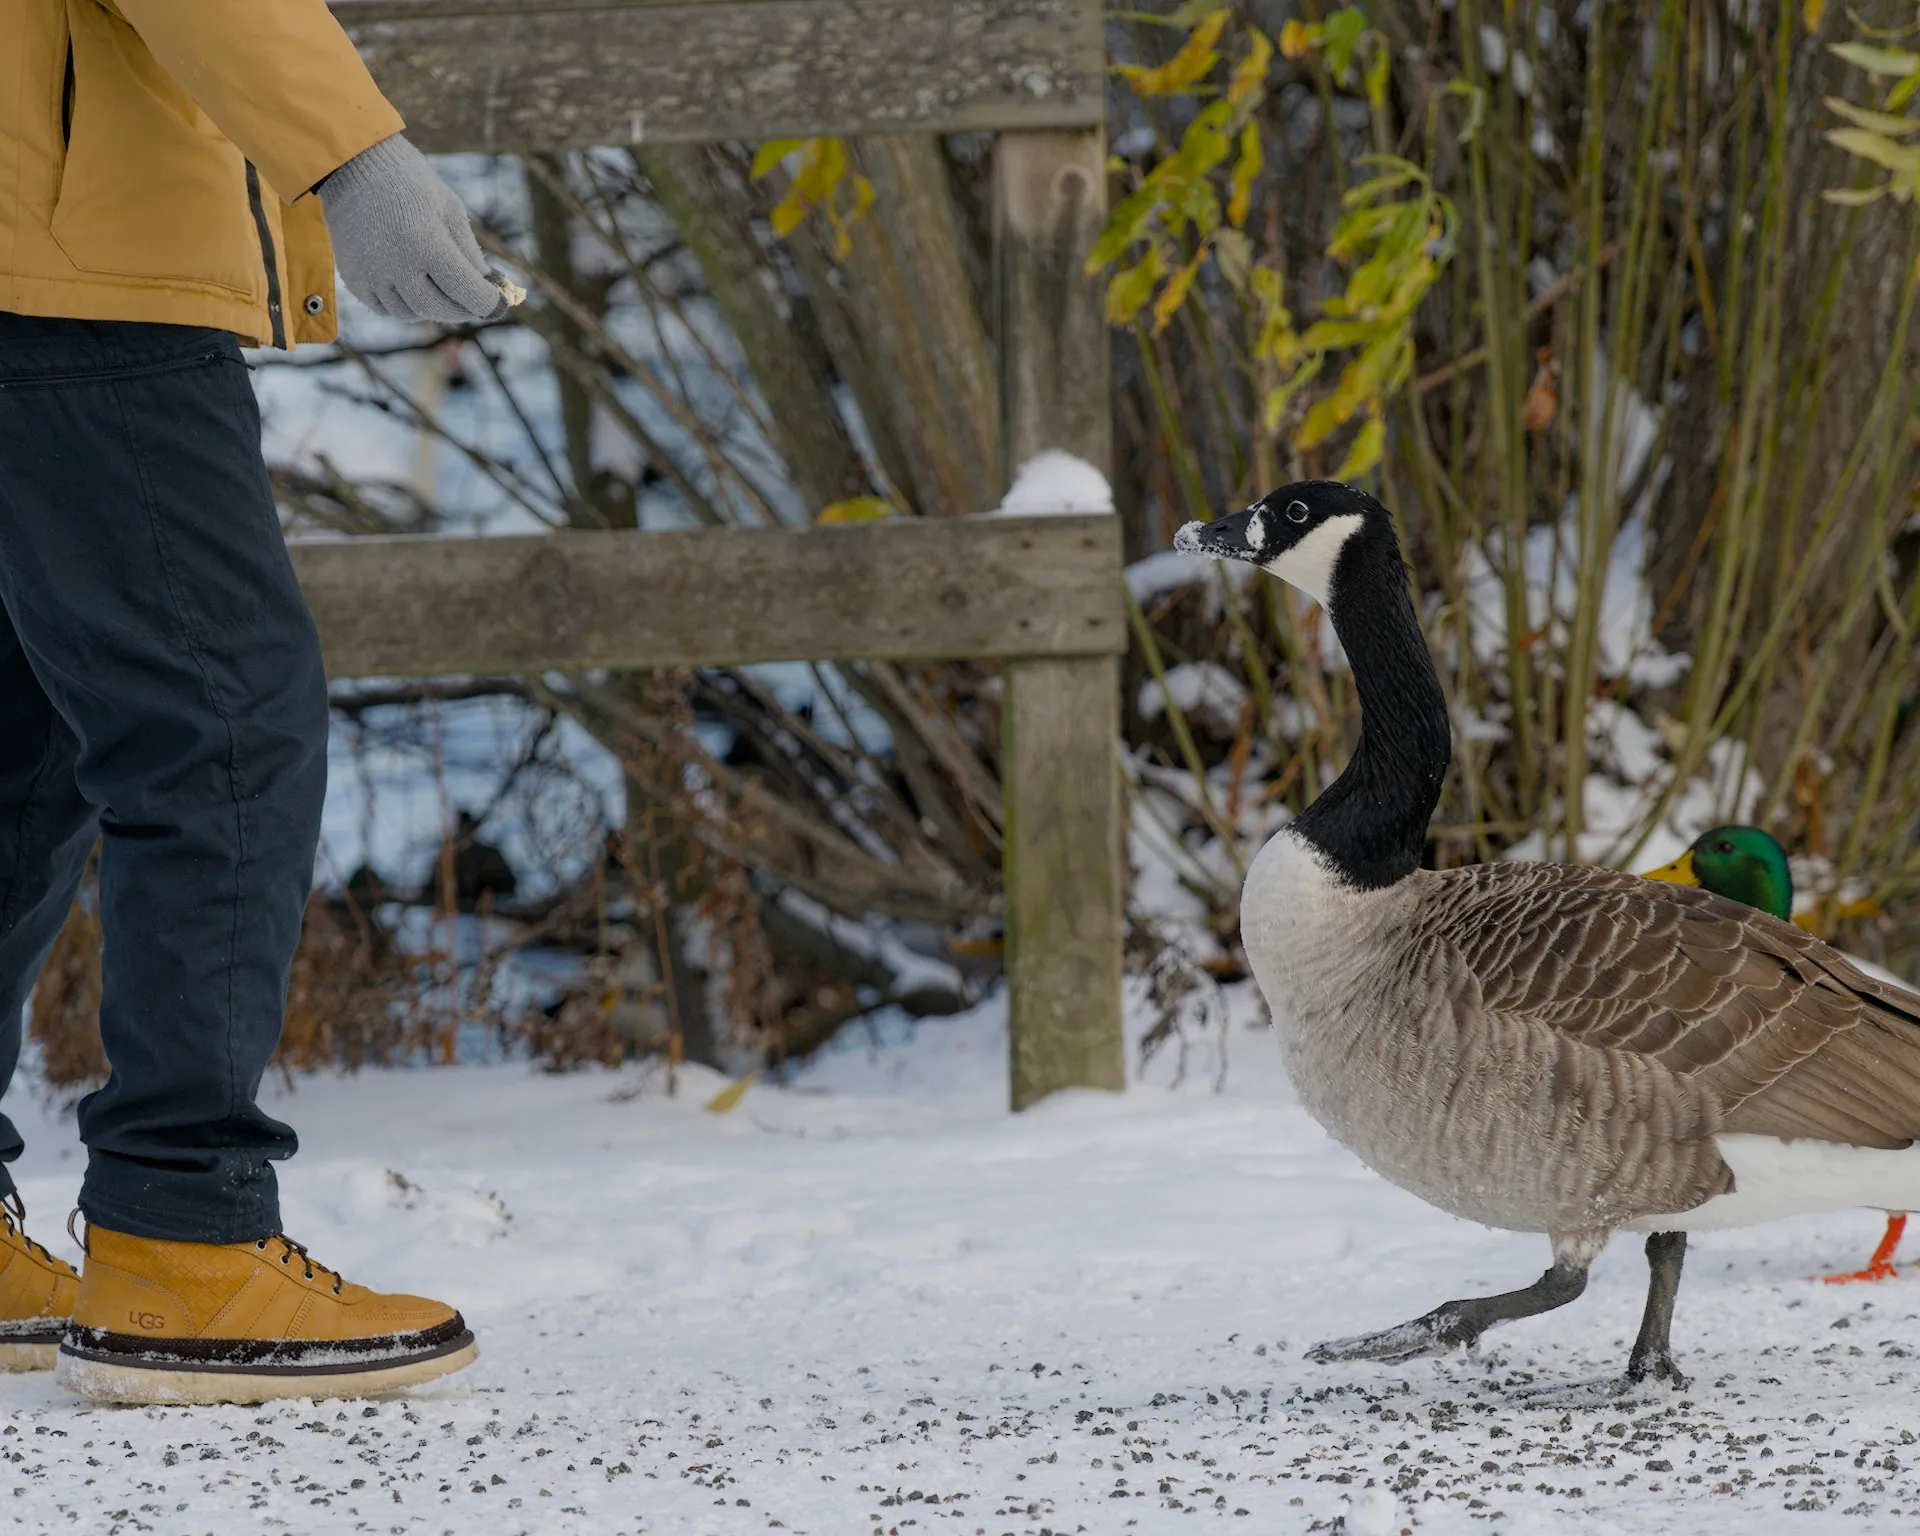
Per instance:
x=402, y=240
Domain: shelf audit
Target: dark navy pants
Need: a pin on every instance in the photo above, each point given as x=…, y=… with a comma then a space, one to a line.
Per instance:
x=160, y=689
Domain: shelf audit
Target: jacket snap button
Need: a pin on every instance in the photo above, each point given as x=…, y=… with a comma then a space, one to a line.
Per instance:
x=315, y=303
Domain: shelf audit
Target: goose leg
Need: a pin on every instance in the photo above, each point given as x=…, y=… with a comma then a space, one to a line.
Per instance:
x=1652, y=1352
x=1458, y=1323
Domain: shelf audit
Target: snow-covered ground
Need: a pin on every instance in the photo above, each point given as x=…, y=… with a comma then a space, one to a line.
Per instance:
x=871, y=1300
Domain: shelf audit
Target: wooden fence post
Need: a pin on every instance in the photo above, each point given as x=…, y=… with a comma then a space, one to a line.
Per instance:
x=1064, y=833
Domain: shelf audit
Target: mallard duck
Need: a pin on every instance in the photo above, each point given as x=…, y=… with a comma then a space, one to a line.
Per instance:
x=1544, y=1048
x=1748, y=864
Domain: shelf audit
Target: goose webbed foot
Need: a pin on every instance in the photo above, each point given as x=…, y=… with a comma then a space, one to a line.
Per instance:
x=1457, y=1324
x=1438, y=1332
x=1610, y=1392
x=1652, y=1356
x=1656, y=1365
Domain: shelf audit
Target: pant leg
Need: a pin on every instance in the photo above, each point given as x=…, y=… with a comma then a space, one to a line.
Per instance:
x=46, y=831
x=142, y=565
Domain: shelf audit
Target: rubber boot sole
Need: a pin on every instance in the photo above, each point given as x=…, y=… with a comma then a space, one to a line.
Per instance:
x=28, y=1355
x=140, y=1382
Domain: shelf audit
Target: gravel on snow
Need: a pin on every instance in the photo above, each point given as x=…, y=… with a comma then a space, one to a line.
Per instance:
x=872, y=1301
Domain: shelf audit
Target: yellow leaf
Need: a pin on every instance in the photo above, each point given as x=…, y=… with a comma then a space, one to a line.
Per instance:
x=1297, y=40
x=771, y=153
x=1125, y=224
x=1395, y=173
x=821, y=168
x=1174, y=295
x=1185, y=69
x=1322, y=421
x=1377, y=75
x=732, y=1094
x=1324, y=335
x=857, y=509
x=1340, y=34
x=843, y=222
x=1875, y=147
x=1812, y=12
x=1857, y=197
x=1205, y=144
x=1355, y=229
x=1896, y=63
x=787, y=213
x=1879, y=122
x=1251, y=72
x=1279, y=399
x=1476, y=100
x=1246, y=171
x=1234, y=252
x=1368, y=444
x=1129, y=291
x=1365, y=379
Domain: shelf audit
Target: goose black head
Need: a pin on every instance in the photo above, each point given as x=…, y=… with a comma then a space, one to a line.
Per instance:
x=1296, y=533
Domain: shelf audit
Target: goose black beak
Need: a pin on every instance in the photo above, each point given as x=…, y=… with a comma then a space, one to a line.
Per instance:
x=1225, y=538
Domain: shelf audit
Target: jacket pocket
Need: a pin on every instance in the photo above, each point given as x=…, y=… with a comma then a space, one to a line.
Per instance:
x=150, y=188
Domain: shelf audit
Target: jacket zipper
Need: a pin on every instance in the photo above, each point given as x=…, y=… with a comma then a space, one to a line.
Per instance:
x=66, y=103
x=110, y=375
x=266, y=255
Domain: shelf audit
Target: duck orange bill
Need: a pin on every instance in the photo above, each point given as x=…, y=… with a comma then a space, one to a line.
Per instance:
x=1679, y=872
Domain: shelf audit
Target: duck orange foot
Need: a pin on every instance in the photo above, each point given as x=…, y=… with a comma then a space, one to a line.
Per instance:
x=1880, y=1266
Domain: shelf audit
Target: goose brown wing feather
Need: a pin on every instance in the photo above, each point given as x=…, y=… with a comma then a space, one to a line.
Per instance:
x=1788, y=1036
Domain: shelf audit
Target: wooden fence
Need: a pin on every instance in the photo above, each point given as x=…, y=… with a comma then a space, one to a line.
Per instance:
x=1043, y=594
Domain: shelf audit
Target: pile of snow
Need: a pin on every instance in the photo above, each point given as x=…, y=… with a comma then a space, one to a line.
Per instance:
x=1627, y=647
x=1200, y=690
x=1054, y=483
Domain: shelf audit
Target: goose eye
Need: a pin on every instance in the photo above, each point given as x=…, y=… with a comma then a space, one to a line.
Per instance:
x=1296, y=511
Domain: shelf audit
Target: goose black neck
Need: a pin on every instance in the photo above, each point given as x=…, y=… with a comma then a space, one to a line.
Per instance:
x=1371, y=822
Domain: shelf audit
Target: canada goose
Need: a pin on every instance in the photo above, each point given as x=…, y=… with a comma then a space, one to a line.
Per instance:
x=1541, y=1047
x=1748, y=864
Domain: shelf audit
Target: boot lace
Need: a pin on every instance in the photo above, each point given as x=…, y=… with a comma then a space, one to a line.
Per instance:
x=289, y=1250
x=13, y=1211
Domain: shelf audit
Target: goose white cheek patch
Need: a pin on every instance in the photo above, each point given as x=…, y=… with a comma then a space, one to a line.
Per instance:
x=1309, y=564
x=1256, y=534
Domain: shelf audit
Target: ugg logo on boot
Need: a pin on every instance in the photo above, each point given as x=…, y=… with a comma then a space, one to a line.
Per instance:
x=153, y=1322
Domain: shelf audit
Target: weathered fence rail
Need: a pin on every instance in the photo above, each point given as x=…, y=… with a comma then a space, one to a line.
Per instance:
x=557, y=74
x=912, y=588
x=1044, y=594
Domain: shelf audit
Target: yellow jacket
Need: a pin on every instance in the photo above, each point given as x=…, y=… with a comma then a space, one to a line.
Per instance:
x=156, y=156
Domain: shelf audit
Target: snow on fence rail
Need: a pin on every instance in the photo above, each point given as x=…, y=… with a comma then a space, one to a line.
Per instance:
x=520, y=75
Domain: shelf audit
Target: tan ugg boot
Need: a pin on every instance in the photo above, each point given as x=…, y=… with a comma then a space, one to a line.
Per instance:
x=164, y=1322
x=36, y=1295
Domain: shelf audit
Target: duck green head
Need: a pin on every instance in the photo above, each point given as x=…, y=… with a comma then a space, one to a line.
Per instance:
x=1741, y=863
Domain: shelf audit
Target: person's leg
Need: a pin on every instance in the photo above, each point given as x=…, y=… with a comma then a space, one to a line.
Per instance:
x=46, y=832
x=143, y=569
